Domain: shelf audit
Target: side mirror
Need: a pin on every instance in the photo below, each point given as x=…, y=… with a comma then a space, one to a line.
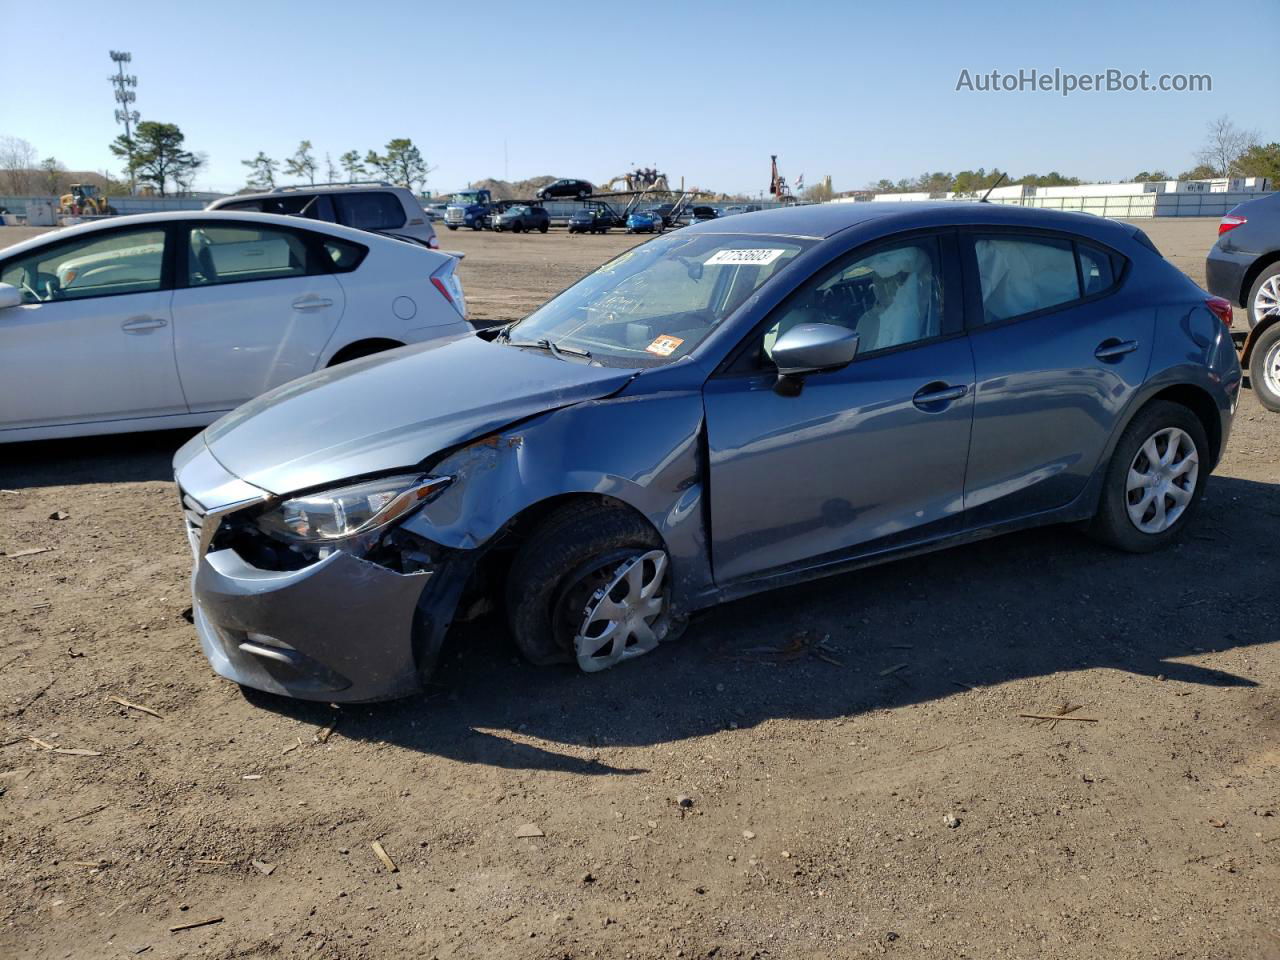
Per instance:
x=811, y=348
x=10, y=296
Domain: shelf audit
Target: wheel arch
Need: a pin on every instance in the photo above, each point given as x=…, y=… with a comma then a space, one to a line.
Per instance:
x=1251, y=341
x=362, y=348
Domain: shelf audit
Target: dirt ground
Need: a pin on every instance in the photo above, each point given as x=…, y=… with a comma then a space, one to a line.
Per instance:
x=862, y=782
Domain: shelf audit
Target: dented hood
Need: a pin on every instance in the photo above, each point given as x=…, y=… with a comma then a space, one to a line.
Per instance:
x=394, y=410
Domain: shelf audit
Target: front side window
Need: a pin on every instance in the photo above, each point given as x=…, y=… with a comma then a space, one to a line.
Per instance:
x=1021, y=275
x=890, y=297
x=128, y=261
x=656, y=302
x=240, y=252
x=369, y=211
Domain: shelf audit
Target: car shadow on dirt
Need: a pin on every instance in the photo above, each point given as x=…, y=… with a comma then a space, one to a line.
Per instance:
x=1039, y=603
x=118, y=458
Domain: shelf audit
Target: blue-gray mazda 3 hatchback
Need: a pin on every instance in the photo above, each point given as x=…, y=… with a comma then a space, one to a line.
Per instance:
x=732, y=407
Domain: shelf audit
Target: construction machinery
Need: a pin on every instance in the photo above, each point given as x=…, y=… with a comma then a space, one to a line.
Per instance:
x=777, y=182
x=84, y=199
x=642, y=178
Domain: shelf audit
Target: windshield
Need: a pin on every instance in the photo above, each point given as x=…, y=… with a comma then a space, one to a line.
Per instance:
x=463, y=198
x=655, y=303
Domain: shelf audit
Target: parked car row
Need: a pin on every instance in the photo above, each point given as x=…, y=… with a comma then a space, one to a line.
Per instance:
x=721, y=410
x=1244, y=268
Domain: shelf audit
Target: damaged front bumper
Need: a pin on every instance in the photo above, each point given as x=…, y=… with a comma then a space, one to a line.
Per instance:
x=341, y=629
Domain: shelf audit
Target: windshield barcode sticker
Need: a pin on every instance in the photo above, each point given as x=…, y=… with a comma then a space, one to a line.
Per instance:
x=757, y=257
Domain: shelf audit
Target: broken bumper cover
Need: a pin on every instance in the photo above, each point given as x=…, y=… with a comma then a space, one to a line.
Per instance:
x=341, y=629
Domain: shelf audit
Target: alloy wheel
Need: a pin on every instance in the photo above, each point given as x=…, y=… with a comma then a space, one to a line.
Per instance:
x=1162, y=480
x=1266, y=302
x=1271, y=367
x=627, y=615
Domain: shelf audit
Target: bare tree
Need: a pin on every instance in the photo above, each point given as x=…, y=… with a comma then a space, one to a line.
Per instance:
x=1224, y=143
x=51, y=174
x=17, y=166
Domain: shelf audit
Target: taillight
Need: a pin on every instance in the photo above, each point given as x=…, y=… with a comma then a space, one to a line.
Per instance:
x=449, y=296
x=1220, y=307
x=1230, y=222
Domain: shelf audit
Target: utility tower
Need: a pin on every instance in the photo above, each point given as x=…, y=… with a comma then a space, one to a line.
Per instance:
x=125, y=97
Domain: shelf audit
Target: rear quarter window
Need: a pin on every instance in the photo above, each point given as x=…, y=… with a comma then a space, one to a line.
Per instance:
x=369, y=211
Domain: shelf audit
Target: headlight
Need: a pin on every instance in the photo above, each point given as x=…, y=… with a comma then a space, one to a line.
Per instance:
x=347, y=511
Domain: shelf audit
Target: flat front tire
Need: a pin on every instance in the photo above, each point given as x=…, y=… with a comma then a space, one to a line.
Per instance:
x=589, y=586
x=1155, y=480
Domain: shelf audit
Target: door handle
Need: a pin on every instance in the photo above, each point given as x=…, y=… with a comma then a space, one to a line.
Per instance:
x=143, y=324
x=312, y=303
x=1113, y=349
x=934, y=394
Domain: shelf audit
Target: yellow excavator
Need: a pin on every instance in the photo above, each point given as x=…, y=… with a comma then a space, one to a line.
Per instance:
x=84, y=198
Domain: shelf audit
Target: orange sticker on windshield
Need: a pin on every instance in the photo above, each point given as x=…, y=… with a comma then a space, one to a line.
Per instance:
x=664, y=346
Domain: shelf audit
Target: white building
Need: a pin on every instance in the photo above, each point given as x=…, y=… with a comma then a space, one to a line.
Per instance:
x=1162, y=198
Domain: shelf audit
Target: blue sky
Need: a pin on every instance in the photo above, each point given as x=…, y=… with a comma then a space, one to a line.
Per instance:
x=704, y=90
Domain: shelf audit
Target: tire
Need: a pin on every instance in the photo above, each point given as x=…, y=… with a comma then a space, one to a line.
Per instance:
x=1264, y=295
x=1264, y=368
x=547, y=587
x=544, y=227
x=451, y=226
x=477, y=225
x=1112, y=524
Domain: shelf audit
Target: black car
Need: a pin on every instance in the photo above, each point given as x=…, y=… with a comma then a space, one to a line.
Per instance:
x=1244, y=267
x=566, y=188
x=701, y=214
x=522, y=218
x=590, y=221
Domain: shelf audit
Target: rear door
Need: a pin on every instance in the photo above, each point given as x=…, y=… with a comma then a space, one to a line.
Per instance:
x=255, y=307
x=1058, y=352
x=93, y=339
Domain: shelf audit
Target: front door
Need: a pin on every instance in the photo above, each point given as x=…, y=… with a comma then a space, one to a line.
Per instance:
x=257, y=311
x=93, y=339
x=867, y=457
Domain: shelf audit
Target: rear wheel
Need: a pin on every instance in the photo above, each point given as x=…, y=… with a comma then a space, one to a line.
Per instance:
x=544, y=227
x=1155, y=479
x=591, y=587
x=1264, y=368
x=1264, y=295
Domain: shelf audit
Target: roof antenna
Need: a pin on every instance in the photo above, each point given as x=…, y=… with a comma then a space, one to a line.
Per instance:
x=992, y=187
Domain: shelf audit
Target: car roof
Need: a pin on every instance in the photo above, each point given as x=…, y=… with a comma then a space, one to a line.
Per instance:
x=819, y=221
x=303, y=189
x=211, y=216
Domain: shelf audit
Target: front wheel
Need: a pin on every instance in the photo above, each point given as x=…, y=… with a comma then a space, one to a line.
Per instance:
x=1264, y=296
x=1264, y=368
x=590, y=586
x=1155, y=480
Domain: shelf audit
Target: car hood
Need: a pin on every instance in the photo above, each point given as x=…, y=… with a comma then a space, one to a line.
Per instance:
x=395, y=409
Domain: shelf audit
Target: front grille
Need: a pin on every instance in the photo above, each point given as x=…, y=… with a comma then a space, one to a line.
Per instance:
x=193, y=513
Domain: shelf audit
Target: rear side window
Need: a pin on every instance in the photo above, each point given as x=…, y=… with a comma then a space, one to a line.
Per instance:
x=1097, y=270
x=1021, y=275
x=239, y=253
x=344, y=256
x=369, y=211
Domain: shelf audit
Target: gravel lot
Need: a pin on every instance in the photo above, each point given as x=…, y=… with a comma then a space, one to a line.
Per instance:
x=877, y=796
